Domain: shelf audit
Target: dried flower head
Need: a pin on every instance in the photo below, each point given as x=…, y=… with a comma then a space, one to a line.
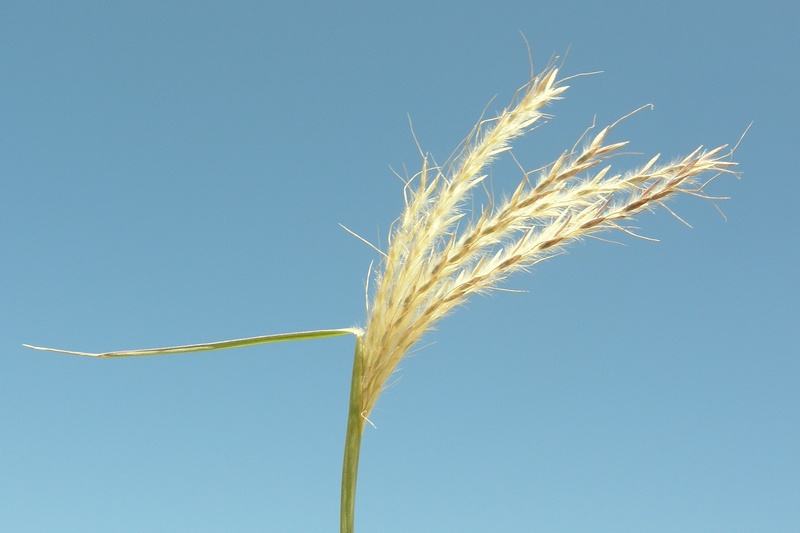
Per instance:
x=431, y=265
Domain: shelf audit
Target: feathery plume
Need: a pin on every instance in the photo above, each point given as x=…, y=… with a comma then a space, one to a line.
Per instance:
x=431, y=266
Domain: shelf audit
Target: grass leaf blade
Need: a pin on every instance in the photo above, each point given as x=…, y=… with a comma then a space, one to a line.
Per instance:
x=209, y=346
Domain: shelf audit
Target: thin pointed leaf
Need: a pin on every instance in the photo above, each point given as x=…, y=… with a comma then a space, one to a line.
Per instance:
x=208, y=346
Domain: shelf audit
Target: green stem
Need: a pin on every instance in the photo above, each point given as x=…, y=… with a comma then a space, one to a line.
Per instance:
x=352, y=444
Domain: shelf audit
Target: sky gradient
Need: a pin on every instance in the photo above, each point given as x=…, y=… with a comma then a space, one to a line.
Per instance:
x=177, y=172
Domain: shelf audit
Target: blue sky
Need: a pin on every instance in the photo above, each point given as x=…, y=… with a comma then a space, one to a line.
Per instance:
x=176, y=172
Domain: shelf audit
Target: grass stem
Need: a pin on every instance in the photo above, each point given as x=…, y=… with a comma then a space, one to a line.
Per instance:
x=352, y=442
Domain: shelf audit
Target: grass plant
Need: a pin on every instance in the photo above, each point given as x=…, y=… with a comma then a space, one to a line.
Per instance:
x=440, y=252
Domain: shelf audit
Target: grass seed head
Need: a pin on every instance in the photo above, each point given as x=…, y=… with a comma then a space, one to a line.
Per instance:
x=431, y=266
